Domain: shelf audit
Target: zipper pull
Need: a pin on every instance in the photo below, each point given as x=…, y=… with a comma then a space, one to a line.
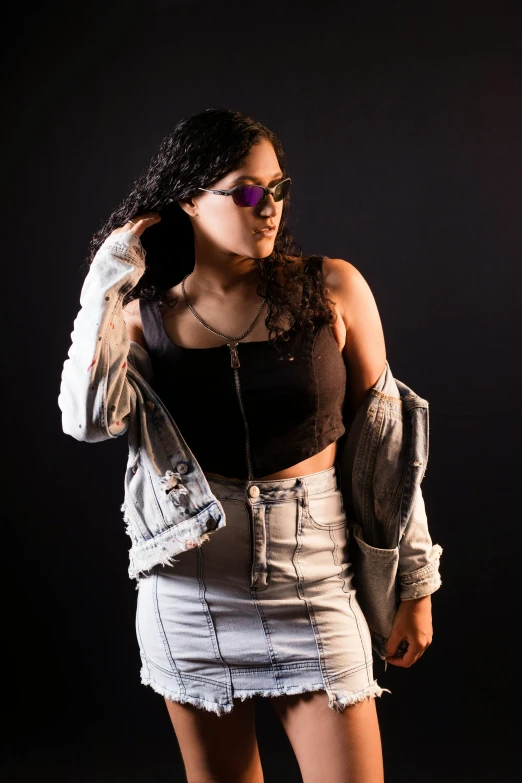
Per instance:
x=234, y=357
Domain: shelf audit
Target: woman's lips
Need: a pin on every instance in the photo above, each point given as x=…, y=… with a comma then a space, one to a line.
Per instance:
x=265, y=232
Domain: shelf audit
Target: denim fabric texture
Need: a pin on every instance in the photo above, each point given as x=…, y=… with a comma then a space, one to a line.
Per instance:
x=169, y=505
x=266, y=608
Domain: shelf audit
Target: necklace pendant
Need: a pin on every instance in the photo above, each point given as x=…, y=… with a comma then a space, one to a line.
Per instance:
x=234, y=356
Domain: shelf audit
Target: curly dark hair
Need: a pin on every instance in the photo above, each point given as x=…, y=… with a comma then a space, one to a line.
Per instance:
x=199, y=151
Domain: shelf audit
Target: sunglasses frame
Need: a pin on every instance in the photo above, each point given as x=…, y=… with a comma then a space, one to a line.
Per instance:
x=267, y=191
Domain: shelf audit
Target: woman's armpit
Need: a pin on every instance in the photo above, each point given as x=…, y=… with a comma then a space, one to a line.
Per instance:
x=132, y=317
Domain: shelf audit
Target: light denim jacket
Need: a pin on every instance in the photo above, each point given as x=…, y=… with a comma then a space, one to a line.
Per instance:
x=168, y=505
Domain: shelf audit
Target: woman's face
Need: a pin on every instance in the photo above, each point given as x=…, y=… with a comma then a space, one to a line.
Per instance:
x=222, y=225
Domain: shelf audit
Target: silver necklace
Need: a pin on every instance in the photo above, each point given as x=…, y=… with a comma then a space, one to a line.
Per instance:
x=220, y=334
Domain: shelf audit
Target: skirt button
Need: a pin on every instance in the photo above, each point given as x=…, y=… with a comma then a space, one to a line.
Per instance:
x=254, y=492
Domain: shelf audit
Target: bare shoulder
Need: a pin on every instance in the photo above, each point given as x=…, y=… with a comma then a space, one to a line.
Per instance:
x=347, y=286
x=364, y=348
x=132, y=317
x=338, y=267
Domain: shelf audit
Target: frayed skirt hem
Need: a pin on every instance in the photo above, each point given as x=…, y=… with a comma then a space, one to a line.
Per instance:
x=338, y=704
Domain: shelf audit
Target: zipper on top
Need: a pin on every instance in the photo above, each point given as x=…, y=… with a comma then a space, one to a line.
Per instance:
x=235, y=364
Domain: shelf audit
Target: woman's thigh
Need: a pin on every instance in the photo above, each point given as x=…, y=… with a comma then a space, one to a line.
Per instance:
x=340, y=747
x=217, y=748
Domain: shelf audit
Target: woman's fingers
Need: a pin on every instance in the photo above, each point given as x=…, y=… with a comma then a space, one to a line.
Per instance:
x=139, y=223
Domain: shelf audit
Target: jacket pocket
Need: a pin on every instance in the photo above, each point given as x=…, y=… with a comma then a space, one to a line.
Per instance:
x=375, y=577
x=325, y=510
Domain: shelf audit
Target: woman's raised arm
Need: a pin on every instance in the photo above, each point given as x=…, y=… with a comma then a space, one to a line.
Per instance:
x=95, y=397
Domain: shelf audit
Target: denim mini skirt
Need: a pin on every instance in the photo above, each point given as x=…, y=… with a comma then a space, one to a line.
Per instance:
x=265, y=606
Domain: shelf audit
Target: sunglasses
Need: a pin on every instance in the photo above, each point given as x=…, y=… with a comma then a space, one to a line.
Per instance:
x=251, y=195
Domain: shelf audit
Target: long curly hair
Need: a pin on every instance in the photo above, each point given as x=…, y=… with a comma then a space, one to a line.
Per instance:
x=199, y=151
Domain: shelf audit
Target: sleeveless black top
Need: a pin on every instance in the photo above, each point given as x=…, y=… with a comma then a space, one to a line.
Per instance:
x=293, y=409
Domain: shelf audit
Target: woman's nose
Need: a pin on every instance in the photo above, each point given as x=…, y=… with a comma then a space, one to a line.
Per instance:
x=268, y=206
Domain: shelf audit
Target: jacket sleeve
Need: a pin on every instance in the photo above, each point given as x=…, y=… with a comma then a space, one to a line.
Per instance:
x=95, y=397
x=418, y=557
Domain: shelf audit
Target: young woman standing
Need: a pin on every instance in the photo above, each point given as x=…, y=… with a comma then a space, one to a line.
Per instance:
x=261, y=355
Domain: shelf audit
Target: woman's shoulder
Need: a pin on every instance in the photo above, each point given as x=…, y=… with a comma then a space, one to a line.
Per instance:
x=327, y=264
x=339, y=273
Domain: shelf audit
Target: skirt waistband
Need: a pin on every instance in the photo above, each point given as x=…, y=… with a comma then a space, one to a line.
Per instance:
x=275, y=489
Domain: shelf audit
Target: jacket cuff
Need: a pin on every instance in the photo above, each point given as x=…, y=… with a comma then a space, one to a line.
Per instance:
x=127, y=246
x=424, y=581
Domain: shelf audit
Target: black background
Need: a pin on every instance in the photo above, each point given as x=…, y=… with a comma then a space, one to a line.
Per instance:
x=402, y=128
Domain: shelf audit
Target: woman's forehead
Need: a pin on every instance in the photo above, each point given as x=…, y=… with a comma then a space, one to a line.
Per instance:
x=261, y=167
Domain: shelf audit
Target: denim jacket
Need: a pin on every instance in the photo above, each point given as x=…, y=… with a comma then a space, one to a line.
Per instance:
x=106, y=390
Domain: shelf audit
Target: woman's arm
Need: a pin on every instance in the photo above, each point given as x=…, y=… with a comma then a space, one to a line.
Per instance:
x=364, y=349
x=95, y=397
x=365, y=356
x=418, y=573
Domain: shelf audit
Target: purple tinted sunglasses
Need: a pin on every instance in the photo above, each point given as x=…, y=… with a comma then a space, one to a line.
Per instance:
x=251, y=195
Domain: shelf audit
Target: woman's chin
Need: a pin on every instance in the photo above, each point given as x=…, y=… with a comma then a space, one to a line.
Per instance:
x=263, y=247
x=255, y=249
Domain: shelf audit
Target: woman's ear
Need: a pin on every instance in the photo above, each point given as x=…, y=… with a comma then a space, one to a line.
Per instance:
x=190, y=207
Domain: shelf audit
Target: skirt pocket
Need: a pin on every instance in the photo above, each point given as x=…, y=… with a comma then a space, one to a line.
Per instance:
x=325, y=510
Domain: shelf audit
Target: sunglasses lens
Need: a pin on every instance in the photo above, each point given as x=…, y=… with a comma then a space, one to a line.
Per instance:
x=282, y=190
x=247, y=195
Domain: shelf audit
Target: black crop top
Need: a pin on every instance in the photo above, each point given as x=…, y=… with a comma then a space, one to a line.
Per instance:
x=293, y=409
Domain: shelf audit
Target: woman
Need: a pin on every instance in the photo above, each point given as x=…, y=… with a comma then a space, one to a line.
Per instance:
x=262, y=356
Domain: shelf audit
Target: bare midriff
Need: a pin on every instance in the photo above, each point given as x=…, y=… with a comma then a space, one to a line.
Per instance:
x=322, y=461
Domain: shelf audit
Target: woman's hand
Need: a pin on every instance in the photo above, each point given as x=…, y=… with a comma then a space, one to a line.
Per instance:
x=142, y=222
x=413, y=623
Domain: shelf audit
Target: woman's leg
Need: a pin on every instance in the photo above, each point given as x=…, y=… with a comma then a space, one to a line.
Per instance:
x=338, y=747
x=217, y=748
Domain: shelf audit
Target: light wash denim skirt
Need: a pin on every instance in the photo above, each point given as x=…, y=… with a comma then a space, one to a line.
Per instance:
x=265, y=606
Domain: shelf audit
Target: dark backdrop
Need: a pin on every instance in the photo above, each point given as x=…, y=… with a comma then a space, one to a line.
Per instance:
x=402, y=127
